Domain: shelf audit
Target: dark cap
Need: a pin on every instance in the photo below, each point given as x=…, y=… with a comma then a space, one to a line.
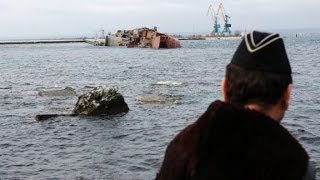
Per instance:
x=261, y=51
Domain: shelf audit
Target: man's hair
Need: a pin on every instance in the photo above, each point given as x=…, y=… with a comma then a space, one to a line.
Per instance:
x=249, y=86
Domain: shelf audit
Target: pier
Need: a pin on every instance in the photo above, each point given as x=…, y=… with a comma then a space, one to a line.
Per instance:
x=43, y=41
x=96, y=42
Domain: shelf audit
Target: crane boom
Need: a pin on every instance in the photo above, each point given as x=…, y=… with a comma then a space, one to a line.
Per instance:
x=225, y=18
x=214, y=16
x=211, y=12
x=222, y=12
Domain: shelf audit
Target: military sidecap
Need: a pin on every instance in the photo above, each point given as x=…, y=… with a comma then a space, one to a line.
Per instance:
x=260, y=51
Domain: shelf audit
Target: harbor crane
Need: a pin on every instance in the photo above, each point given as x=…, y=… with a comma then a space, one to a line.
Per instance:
x=223, y=16
x=214, y=15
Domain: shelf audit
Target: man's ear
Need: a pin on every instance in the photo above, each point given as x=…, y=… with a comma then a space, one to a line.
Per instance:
x=286, y=97
x=224, y=89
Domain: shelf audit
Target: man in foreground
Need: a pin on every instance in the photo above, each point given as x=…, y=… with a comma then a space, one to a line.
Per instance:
x=241, y=137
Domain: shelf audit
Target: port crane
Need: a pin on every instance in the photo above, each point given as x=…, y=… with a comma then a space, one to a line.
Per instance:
x=214, y=15
x=224, y=17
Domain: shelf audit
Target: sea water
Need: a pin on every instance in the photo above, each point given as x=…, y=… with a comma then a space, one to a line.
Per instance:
x=130, y=146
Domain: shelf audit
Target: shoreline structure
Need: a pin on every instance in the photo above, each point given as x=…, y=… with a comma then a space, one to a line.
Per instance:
x=92, y=40
x=120, y=38
x=43, y=41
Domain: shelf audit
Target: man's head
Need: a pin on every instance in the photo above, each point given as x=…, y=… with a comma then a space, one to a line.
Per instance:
x=259, y=74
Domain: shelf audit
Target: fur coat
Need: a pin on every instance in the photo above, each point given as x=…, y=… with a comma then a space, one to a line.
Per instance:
x=230, y=142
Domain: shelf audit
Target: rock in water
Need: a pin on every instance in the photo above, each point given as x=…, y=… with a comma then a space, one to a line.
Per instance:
x=159, y=99
x=43, y=117
x=101, y=101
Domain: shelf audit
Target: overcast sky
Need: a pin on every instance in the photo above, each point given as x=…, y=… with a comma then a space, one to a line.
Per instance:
x=61, y=18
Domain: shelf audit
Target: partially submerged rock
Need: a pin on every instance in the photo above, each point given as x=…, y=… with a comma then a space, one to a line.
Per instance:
x=158, y=99
x=43, y=117
x=101, y=101
x=68, y=91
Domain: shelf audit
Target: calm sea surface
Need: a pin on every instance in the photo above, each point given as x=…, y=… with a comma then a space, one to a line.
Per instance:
x=130, y=146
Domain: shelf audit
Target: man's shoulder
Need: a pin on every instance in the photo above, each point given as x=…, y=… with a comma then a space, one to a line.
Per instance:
x=189, y=138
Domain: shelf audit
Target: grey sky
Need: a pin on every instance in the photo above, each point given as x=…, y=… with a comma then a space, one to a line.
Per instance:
x=54, y=18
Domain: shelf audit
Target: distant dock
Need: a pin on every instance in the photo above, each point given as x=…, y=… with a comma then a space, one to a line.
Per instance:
x=43, y=41
x=101, y=42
